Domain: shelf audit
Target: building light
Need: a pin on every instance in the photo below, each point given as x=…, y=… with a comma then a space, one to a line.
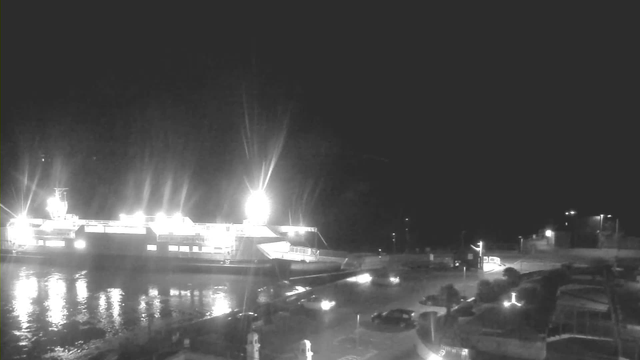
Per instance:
x=152, y=247
x=80, y=244
x=174, y=248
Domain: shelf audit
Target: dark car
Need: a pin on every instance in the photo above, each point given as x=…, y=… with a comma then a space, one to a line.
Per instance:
x=238, y=324
x=398, y=317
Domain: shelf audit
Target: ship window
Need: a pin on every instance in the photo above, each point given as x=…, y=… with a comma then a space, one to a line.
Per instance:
x=152, y=247
x=195, y=249
x=184, y=249
x=173, y=247
x=55, y=243
x=206, y=249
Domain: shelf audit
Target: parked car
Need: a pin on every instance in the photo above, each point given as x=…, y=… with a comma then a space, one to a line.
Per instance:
x=239, y=324
x=385, y=280
x=397, y=317
x=317, y=303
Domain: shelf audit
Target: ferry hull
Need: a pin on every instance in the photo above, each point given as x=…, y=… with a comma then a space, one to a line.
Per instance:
x=282, y=269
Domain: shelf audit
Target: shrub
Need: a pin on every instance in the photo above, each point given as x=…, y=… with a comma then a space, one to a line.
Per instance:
x=500, y=287
x=512, y=276
x=528, y=293
x=485, y=292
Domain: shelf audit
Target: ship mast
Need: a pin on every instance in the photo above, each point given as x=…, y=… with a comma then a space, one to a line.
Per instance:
x=57, y=205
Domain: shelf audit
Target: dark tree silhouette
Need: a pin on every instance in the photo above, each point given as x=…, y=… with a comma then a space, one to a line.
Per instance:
x=512, y=276
x=450, y=295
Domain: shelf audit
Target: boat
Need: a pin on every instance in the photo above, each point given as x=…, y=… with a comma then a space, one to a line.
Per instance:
x=164, y=242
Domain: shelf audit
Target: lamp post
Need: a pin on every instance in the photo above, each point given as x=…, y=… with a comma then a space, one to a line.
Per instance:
x=521, y=243
x=572, y=214
x=602, y=216
x=406, y=229
x=393, y=239
x=479, y=250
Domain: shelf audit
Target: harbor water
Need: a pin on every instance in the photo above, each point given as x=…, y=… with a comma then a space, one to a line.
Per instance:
x=65, y=313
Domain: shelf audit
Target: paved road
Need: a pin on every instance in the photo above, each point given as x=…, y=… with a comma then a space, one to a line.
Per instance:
x=336, y=335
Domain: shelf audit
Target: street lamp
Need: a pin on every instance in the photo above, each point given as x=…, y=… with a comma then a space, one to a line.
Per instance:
x=521, y=243
x=602, y=220
x=572, y=214
x=479, y=250
x=393, y=238
x=602, y=216
x=406, y=229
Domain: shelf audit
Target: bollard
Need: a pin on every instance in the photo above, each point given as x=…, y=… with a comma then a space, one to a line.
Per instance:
x=464, y=281
x=357, y=330
x=304, y=353
x=253, y=346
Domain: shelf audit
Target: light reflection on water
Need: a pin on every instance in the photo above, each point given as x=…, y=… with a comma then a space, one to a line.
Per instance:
x=25, y=290
x=55, y=304
x=81, y=289
x=39, y=303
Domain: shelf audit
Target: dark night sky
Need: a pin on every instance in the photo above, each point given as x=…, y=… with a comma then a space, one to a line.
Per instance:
x=488, y=121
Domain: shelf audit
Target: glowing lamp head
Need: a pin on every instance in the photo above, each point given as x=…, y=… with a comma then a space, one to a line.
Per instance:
x=548, y=233
x=327, y=305
x=257, y=207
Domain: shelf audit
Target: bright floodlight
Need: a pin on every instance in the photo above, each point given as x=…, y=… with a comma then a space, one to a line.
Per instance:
x=80, y=244
x=257, y=207
x=139, y=217
x=548, y=233
x=327, y=305
x=160, y=217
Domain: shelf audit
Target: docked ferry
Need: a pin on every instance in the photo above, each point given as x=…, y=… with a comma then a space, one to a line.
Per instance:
x=164, y=242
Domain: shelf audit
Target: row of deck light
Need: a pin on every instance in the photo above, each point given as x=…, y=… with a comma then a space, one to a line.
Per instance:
x=257, y=209
x=141, y=218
